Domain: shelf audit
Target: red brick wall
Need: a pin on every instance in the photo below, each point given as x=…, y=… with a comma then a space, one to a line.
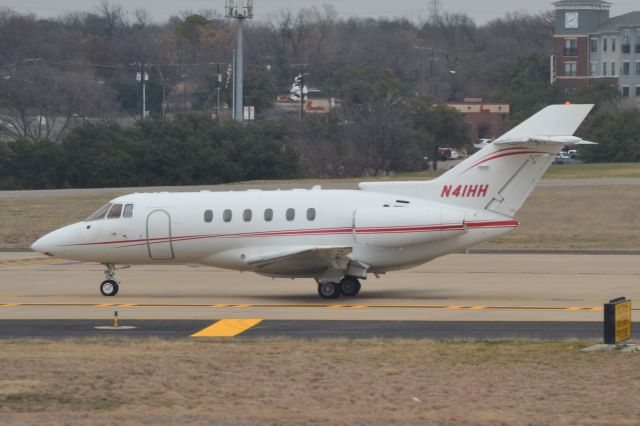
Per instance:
x=582, y=63
x=495, y=124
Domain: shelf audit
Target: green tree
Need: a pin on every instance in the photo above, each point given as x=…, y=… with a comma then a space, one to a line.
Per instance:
x=524, y=84
x=360, y=86
x=437, y=126
x=617, y=133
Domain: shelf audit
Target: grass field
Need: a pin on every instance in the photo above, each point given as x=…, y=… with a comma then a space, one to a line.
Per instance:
x=318, y=382
x=555, y=218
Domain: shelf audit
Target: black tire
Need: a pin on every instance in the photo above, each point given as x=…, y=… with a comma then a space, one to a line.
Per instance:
x=329, y=290
x=350, y=286
x=109, y=288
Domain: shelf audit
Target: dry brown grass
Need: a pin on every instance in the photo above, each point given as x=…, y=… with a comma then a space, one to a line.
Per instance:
x=24, y=220
x=568, y=218
x=577, y=218
x=315, y=382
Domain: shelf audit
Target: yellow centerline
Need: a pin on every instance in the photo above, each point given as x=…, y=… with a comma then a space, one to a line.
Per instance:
x=304, y=306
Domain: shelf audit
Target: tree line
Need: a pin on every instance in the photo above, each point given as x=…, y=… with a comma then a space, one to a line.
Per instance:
x=66, y=82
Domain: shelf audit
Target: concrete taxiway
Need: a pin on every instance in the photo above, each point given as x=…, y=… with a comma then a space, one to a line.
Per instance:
x=459, y=287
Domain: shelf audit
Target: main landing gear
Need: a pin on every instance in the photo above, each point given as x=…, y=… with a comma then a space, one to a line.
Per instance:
x=109, y=287
x=348, y=286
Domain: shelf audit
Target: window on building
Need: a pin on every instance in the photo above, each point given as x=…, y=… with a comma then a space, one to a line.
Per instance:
x=593, y=69
x=247, y=215
x=613, y=44
x=571, y=47
x=637, y=67
x=570, y=69
x=604, y=69
x=291, y=214
x=594, y=45
x=128, y=211
x=115, y=211
x=626, y=68
x=637, y=41
x=208, y=216
x=605, y=43
x=613, y=69
x=227, y=215
x=625, y=91
x=311, y=214
x=637, y=91
x=626, y=41
x=268, y=215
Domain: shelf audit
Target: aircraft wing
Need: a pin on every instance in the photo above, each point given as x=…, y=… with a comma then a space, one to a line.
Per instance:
x=329, y=262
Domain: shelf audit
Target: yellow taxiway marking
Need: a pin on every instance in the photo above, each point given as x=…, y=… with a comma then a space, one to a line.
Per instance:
x=302, y=306
x=227, y=328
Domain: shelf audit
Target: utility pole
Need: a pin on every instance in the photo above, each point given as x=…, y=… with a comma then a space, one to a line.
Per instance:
x=218, y=82
x=239, y=10
x=142, y=77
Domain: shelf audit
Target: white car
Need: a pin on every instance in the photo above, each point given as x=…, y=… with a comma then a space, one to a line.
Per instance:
x=481, y=143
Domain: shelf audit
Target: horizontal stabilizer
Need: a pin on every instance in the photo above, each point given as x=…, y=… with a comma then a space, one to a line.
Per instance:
x=560, y=140
x=551, y=121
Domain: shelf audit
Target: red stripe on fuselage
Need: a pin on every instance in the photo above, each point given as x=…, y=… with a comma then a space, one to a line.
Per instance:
x=309, y=232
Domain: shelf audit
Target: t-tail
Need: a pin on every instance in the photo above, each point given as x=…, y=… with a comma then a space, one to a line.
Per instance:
x=500, y=177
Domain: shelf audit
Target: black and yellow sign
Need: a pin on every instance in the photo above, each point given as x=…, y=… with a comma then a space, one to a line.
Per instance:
x=617, y=321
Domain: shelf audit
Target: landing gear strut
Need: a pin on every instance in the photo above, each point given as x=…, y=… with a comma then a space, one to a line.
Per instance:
x=109, y=287
x=348, y=286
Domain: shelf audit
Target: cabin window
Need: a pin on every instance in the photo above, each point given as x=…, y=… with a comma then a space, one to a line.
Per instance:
x=115, y=212
x=227, y=215
x=100, y=213
x=128, y=210
x=208, y=216
x=247, y=215
x=268, y=215
x=291, y=214
x=311, y=214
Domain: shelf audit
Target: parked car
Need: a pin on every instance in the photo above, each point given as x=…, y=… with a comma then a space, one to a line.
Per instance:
x=481, y=143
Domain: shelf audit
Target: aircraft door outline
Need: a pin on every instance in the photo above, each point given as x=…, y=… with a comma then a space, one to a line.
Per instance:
x=159, y=236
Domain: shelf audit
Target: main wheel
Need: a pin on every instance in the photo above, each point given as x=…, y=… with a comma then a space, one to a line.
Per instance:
x=329, y=290
x=109, y=288
x=350, y=286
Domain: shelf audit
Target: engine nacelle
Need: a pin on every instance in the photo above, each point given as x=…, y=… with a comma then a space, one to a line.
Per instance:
x=406, y=226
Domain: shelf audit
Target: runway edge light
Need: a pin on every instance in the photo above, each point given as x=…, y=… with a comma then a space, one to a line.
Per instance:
x=617, y=321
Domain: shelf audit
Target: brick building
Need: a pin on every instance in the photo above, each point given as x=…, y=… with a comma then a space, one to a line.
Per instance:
x=591, y=47
x=487, y=120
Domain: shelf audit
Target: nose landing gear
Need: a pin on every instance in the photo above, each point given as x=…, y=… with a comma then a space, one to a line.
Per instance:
x=109, y=287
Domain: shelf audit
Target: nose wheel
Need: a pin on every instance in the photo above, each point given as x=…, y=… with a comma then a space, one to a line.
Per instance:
x=110, y=286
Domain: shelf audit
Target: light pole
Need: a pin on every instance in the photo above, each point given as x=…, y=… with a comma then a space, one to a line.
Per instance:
x=142, y=77
x=239, y=10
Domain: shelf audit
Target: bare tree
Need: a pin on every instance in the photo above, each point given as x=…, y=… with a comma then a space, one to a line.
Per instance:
x=40, y=102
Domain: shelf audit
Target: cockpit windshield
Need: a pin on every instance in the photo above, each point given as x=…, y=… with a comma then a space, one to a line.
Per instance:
x=100, y=213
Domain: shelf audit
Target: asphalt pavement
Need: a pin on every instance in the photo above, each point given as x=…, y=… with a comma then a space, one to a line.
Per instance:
x=302, y=329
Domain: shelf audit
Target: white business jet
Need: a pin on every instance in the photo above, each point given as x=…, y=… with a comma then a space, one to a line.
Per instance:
x=336, y=237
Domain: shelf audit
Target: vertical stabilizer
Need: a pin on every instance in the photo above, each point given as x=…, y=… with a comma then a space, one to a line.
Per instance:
x=501, y=176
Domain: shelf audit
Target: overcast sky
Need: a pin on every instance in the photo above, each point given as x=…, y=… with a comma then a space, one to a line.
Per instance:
x=160, y=10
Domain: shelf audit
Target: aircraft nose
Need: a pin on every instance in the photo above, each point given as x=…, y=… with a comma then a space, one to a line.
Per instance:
x=54, y=243
x=45, y=244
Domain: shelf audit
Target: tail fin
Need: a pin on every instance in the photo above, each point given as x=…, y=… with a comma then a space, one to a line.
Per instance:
x=501, y=176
